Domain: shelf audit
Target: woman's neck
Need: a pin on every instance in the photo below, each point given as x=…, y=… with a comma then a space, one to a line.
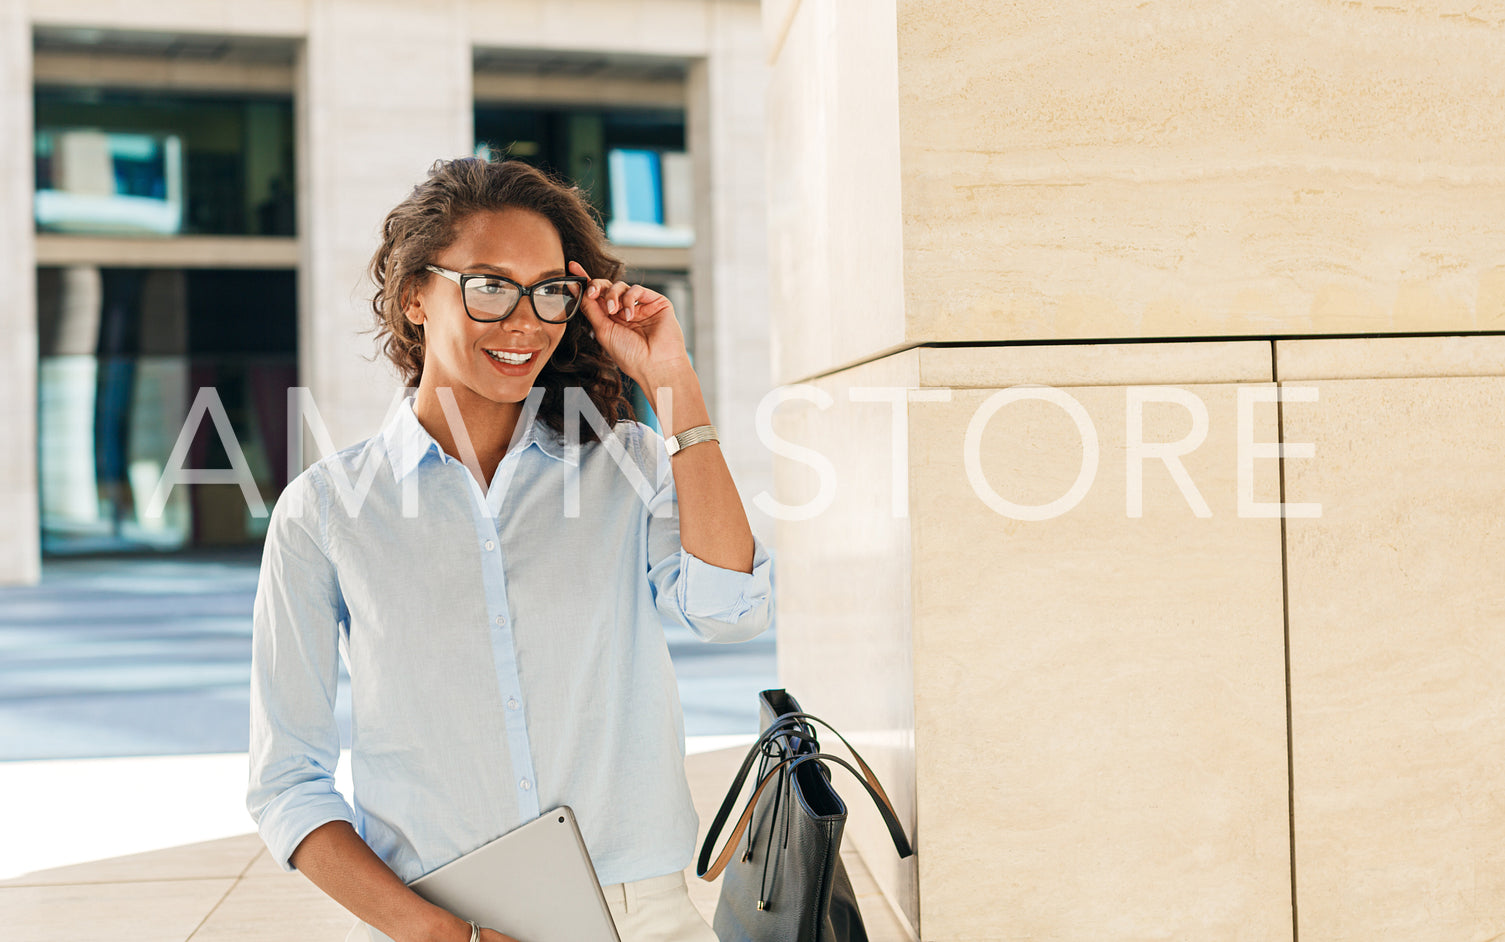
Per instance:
x=487, y=425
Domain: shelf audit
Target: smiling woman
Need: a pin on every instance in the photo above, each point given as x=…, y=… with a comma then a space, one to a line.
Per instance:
x=506, y=639
x=489, y=365
x=452, y=216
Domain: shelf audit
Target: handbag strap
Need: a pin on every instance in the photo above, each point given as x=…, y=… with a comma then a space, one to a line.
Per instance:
x=788, y=721
x=783, y=727
x=895, y=830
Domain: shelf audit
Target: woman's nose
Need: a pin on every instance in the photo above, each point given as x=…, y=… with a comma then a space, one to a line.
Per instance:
x=524, y=304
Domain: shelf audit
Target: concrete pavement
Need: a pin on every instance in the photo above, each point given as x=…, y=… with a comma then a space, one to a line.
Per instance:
x=228, y=890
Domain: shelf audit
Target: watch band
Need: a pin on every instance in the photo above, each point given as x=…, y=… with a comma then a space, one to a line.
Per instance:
x=691, y=436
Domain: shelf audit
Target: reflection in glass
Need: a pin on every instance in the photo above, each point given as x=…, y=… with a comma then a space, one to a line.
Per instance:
x=118, y=162
x=650, y=198
x=113, y=183
x=123, y=353
x=630, y=161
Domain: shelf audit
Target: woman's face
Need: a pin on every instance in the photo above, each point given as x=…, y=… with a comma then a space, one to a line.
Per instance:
x=523, y=246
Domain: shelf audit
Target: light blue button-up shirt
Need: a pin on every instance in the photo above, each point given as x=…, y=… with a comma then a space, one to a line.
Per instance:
x=506, y=650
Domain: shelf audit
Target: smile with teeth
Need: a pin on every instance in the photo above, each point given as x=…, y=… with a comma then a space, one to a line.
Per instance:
x=504, y=356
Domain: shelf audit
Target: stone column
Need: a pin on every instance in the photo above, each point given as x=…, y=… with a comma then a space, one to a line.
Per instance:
x=20, y=550
x=1078, y=660
x=726, y=89
x=385, y=91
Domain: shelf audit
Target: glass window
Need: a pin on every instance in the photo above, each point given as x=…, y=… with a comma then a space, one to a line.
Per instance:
x=632, y=162
x=124, y=353
x=119, y=162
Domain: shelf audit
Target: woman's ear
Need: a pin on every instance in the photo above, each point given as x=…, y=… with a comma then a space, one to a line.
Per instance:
x=412, y=308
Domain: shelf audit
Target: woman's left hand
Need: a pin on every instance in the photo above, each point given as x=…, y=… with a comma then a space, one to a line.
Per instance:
x=635, y=325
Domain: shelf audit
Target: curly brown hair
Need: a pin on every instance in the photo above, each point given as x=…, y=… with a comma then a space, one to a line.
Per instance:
x=426, y=223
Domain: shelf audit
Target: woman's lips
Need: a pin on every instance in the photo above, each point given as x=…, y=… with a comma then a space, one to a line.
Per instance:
x=510, y=368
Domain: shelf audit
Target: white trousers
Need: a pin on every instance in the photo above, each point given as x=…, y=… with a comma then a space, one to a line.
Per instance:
x=657, y=909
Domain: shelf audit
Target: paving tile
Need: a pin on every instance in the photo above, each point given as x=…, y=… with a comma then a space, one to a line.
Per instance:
x=264, y=865
x=710, y=775
x=877, y=912
x=226, y=859
x=162, y=911
x=269, y=905
x=275, y=909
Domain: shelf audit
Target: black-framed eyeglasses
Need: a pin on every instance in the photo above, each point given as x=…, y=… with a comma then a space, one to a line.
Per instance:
x=491, y=298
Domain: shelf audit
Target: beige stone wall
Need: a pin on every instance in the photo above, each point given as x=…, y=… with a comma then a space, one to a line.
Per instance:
x=267, y=18
x=846, y=647
x=1100, y=735
x=1216, y=171
x=675, y=28
x=1081, y=719
x=1397, y=648
x=1101, y=170
x=835, y=252
x=1086, y=720
x=729, y=269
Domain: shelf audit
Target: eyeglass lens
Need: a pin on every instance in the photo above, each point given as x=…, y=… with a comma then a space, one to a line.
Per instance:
x=494, y=298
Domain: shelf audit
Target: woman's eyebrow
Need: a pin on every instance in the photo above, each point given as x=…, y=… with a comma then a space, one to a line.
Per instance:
x=504, y=270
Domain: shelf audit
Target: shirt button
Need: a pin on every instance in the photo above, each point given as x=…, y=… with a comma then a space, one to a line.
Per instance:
x=512, y=703
x=490, y=546
x=525, y=785
x=500, y=621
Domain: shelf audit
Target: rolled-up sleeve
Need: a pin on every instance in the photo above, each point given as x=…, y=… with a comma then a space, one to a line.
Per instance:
x=717, y=604
x=295, y=742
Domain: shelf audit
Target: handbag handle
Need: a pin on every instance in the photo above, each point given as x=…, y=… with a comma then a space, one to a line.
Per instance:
x=783, y=726
x=786, y=725
x=895, y=830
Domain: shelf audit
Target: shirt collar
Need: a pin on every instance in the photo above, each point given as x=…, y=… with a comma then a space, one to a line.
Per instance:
x=407, y=442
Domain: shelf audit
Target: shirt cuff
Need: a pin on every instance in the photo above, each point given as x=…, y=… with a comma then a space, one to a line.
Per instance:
x=295, y=814
x=709, y=591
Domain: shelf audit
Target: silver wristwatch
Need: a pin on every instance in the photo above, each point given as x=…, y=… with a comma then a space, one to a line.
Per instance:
x=691, y=436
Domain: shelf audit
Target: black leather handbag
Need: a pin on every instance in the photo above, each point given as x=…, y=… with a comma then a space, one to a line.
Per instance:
x=782, y=875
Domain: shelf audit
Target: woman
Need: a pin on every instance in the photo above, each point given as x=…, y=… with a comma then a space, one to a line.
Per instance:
x=497, y=566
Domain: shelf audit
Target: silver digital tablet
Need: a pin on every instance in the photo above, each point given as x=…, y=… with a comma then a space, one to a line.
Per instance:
x=532, y=883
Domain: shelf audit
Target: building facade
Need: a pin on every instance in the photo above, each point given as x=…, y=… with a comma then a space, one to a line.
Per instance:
x=192, y=190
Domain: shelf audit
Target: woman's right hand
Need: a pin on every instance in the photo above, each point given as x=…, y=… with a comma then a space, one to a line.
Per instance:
x=491, y=935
